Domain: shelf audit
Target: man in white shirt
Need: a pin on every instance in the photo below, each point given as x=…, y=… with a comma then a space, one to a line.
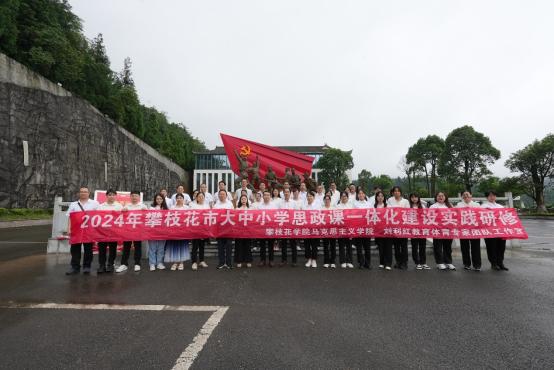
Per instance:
x=223, y=186
x=180, y=190
x=207, y=196
x=135, y=205
x=224, y=245
x=168, y=200
x=243, y=186
x=288, y=203
x=351, y=193
x=303, y=192
x=110, y=205
x=266, y=243
x=286, y=185
x=320, y=194
x=83, y=204
x=335, y=194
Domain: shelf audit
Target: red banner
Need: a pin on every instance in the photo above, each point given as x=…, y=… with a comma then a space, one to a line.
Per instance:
x=262, y=157
x=452, y=223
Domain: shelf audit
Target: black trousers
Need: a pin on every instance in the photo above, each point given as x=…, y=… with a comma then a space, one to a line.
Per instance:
x=495, y=250
x=224, y=251
x=198, y=250
x=442, y=249
x=102, y=246
x=311, y=246
x=345, y=250
x=400, y=251
x=266, y=246
x=419, y=246
x=363, y=251
x=285, y=243
x=329, y=251
x=75, y=250
x=385, y=251
x=471, y=252
x=137, y=255
x=243, y=250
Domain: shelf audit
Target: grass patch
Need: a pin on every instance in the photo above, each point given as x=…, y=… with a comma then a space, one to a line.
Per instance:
x=18, y=214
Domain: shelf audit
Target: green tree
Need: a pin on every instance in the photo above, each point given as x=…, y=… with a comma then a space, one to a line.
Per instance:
x=334, y=163
x=424, y=155
x=466, y=155
x=364, y=180
x=382, y=181
x=535, y=163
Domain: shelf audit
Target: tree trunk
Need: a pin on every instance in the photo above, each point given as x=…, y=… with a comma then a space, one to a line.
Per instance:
x=541, y=206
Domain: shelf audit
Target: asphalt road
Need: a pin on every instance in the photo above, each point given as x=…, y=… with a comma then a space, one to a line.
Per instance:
x=283, y=318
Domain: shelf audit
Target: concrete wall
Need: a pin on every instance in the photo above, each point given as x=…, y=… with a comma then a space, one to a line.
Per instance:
x=69, y=144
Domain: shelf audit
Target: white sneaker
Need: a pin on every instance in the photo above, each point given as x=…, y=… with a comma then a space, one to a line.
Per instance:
x=173, y=267
x=152, y=267
x=451, y=266
x=161, y=266
x=248, y=265
x=350, y=266
x=203, y=264
x=195, y=266
x=326, y=265
x=388, y=268
x=181, y=267
x=239, y=265
x=419, y=267
x=441, y=266
x=309, y=263
x=121, y=268
x=426, y=267
x=381, y=266
x=343, y=265
x=314, y=263
x=333, y=266
x=137, y=268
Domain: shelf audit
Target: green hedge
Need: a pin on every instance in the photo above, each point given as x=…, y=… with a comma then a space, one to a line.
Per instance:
x=14, y=214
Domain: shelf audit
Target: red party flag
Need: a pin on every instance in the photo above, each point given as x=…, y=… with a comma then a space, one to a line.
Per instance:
x=265, y=156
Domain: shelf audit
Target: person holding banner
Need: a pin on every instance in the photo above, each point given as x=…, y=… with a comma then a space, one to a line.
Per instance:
x=156, y=248
x=363, y=251
x=311, y=244
x=224, y=245
x=345, y=244
x=288, y=203
x=471, y=248
x=200, y=202
x=419, y=245
x=83, y=204
x=329, y=243
x=495, y=246
x=135, y=205
x=177, y=251
x=400, y=244
x=266, y=244
x=243, y=251
x=384, y=245
x=110, y=205
x=442, y=248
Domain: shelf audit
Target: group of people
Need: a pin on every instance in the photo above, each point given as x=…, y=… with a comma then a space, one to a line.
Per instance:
x=177, y=252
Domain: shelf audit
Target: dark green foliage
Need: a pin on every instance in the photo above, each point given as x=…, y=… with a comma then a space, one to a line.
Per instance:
x=47, y=37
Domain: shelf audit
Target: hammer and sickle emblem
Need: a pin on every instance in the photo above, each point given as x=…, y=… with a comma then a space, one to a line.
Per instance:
x=245, y=150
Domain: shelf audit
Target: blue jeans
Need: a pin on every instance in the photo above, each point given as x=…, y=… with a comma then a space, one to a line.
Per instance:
x=156, y=251
x=224, y=250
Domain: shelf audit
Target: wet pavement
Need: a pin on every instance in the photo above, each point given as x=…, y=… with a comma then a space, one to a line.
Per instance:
x=282, y=317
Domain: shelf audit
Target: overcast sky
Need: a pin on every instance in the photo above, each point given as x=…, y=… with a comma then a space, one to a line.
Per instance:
x=371, y=76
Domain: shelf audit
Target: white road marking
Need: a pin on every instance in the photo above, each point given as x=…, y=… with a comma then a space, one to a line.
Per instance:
x=186, y=359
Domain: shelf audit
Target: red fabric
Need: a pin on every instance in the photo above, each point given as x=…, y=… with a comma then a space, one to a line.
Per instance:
x=278, y=159
x=453, y=223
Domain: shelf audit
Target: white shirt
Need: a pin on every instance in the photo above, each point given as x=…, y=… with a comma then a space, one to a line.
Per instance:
x=277, y=202
x=303, y=195
x=156, y=207
x=216, y=196
x=438, y=205
x=136, y=207
x=319, y=198
x=342, y=205
x=371, y=201
x=115, y=206
x=208, y=197
x=351, y=196
x=270, y=205
x=239, y=190
x=168, y=202
x=89, y=205
x=290, y=204
x=255, y=205
x=174, y=199
x=331, y=206
x=227, y=205
x=195, y=205
x=184, y=206
x=471, y=204
x=335, y=197
x=402, y=203
x=487, y=204
x=313, y=206
x=361, y=204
